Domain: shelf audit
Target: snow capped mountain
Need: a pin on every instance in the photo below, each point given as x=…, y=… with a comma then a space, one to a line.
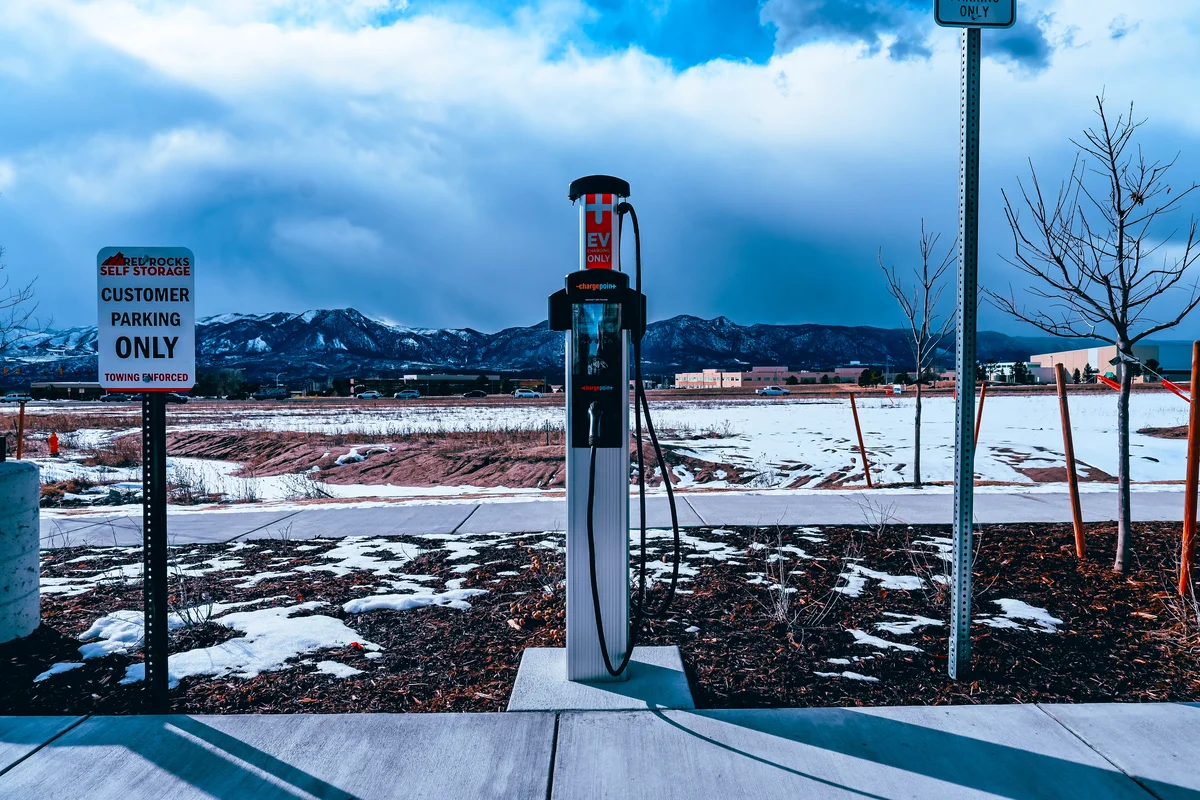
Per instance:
x=343, y=342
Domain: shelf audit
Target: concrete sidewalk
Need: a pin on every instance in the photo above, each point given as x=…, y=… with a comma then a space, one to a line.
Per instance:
x=695, y=509
x=1052, y=751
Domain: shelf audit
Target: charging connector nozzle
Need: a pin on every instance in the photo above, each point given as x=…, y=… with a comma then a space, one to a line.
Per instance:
x=593, y=423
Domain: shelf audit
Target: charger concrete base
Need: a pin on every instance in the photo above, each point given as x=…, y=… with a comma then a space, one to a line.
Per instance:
x=656, y=680
x=20, y=601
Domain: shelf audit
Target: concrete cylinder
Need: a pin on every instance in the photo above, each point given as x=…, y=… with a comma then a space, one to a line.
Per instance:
x=20, y=529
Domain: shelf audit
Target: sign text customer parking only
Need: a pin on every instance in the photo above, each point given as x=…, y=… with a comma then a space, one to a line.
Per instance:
x=146, y=340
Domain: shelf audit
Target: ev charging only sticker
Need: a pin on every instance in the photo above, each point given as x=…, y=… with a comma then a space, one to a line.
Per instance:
x=600, y=247
x=146, y=337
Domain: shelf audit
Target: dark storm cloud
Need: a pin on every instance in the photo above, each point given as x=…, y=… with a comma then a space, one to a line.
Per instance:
x=800, y=22
x=1024, y=44
x=910, y=22
x=444, y=206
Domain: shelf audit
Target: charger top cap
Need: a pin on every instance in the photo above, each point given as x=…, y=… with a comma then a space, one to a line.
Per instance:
x=598, y=184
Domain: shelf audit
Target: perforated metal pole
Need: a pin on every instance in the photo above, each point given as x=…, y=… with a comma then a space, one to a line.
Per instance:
x=154, y=548
x=964, y=412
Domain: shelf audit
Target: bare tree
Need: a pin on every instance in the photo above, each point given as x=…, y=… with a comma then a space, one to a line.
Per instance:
x=1091, y=253
x=16, y=308
x=919, y=305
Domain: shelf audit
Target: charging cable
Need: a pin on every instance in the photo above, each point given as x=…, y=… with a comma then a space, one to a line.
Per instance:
x=640, y=406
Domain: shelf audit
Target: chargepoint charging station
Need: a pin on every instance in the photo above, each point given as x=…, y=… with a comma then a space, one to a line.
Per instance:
x=604, y=318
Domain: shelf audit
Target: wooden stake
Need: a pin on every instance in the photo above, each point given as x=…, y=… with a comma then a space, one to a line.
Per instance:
x=21, y=432
x=1069, y=450
x=862, y=448
x=1193, y=474
x=979, y=412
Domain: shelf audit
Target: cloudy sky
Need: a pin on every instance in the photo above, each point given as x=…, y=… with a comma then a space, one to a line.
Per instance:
x=411, y=159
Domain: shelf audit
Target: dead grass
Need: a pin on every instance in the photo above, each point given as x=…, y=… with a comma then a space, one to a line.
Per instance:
x=120, y=451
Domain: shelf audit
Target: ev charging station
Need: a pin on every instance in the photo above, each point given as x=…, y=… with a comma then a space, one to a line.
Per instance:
x=598, y=310
x=604, y=318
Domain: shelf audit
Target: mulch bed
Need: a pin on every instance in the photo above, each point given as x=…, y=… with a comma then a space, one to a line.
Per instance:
x=1122, y=637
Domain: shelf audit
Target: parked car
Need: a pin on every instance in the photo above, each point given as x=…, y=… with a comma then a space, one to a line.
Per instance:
x=271, y=393
x=371, y=395
x=520, y=393
x=772, y=391
x=116, y=397
x=238, y=396
x=475, y=393
x=174, y=397
x=16, y=397
x=407, y=394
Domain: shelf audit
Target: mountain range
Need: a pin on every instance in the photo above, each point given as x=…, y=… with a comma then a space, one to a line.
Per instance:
x=343, y=342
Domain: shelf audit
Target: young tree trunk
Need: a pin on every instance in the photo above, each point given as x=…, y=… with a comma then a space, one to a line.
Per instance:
x=1124, y=514
x=917, y=437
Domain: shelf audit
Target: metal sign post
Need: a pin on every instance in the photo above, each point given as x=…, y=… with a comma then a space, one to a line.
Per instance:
x=154, y=548
x=146, y=343
x=964, y=357
x=971, y=16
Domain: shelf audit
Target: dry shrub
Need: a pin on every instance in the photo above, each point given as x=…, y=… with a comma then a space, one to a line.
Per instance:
x=52, y=493
x=121, y=451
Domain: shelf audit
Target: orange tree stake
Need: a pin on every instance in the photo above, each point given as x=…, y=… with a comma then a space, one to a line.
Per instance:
x=862, y=448
x=1069, y=451
x=979, y=412
x=1193, y=473
x=21, y=432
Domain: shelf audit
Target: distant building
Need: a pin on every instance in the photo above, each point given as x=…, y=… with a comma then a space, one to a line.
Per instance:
x=755, y=377
x=708, y=379
x=1174, y=359
x=65, y=390
x=1006, y=372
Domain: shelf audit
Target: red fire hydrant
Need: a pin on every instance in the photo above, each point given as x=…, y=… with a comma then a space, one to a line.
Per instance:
x=53, y=442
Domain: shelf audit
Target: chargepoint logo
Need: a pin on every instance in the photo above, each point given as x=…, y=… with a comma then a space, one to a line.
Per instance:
x=596, y=287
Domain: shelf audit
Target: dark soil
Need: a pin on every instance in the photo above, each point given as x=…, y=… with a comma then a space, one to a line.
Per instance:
x=1122, y=637
x=516, y=459
x=1178, y=432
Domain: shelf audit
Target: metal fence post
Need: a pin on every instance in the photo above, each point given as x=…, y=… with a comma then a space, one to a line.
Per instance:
x=968, y=300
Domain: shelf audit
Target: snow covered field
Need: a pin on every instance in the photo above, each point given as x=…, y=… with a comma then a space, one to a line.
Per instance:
x=796, y=444
x=784, y=440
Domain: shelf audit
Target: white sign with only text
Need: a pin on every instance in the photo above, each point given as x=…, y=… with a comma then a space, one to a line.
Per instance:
x=975, y=13
x=146, y=337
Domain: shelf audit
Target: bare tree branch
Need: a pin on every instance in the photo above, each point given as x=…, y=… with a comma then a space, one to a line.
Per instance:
x=1092, y=257
x=16, y=309
x=927, y=328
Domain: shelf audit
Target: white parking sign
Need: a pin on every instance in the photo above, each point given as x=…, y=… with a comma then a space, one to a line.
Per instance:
x=146, y=338
x=975, y=13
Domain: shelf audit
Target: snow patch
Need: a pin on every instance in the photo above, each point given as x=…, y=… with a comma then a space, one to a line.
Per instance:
x=1014, y=612
x=854, y=676
x=454, y=598
x=856, y=576
x=272, y=637
x=353, y=554
x=118, y=632
x=906, y=623
x=862, y=637
x=58, y=669
x=337, y=669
